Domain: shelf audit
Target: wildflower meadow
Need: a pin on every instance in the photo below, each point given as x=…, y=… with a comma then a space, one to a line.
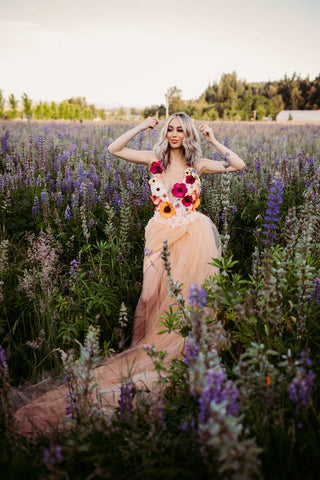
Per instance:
x=244, y=401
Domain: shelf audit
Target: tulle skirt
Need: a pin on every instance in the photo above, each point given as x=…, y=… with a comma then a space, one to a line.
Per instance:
x=192, y=245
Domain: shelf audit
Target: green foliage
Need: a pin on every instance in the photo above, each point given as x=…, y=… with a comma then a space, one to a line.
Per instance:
x=2, y=104
x=234, y=99
x=174, y=99
x=27, y=104
x=13, y=102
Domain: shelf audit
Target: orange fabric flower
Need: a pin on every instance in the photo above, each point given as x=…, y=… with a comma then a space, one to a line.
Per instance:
x=155, y=200
x=196, y=204
x=166, y=210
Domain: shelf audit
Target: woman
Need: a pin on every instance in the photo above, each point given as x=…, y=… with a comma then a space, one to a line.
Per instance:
x=193, y=240
x=176, y=166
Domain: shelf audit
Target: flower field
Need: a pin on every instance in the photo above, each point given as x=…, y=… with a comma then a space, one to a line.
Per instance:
x=244, y=403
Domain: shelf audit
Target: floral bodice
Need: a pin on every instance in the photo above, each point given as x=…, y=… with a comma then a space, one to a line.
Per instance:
x=180, y=202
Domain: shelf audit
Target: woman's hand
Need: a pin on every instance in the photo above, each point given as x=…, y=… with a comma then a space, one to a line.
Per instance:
x=207, y=132
x=149, y=122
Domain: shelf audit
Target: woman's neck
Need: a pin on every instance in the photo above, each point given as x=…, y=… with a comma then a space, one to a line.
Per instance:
x=177, y=157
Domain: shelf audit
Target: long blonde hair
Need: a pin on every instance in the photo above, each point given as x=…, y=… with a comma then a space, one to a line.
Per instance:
x=190, y=143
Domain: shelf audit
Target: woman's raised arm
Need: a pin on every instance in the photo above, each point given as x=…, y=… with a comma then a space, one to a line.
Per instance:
x=209, y=166
x=143, y=157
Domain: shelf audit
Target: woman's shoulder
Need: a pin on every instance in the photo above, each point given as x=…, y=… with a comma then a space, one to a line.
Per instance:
x=200, y=166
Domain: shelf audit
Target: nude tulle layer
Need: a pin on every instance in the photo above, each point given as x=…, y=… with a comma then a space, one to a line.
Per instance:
x=192, y=246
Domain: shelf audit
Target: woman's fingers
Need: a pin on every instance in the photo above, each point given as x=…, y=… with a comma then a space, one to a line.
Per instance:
x=149, y=122
x=206, y=130
x=153, y=121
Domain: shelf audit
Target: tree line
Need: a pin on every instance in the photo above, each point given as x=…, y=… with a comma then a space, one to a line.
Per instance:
x=235, y=99
x=75, y=108
x=229, y=99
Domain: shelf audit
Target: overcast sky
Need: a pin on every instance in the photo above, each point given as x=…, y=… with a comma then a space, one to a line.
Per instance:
x=130, y=52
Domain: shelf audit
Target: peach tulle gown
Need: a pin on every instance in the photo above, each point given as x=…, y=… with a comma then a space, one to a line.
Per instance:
x=193, y=241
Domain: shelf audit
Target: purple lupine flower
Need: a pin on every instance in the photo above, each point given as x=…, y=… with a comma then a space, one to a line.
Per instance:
x=126, y=399
x=197, y=296
x=258, y=164
x=57, y=163
x=72, y=149
x=52, y=455
x=217, y=389
x=83, y=189
x=273, y=208
x=5, y=147
x=67, y=213
x=315, y=294
x=251, y=187
x=116, y=200
x=43, y=197
x=305, y=358
x=59, y=199
x=92, y=172
x=300, y=389
x=51, y=185
x=8, y=163
x=192, y=350
x=81, y=173
x=3, y=362
x=36, y=206
x=74, y=268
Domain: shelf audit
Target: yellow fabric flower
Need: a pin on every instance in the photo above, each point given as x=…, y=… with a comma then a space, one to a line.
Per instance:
x=166, y=210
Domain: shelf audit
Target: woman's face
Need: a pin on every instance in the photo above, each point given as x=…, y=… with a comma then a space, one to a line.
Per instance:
x=175, y=134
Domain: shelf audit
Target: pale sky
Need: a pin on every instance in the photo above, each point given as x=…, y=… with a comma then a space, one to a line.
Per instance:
x=129, y=52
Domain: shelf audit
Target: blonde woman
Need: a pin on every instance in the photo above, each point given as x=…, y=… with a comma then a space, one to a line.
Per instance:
x=176, y=166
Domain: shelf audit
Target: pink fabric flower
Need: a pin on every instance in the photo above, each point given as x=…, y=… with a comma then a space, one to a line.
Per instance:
x=190, y=179
x=156, y=167
x=187, y=201
x=179, y=190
